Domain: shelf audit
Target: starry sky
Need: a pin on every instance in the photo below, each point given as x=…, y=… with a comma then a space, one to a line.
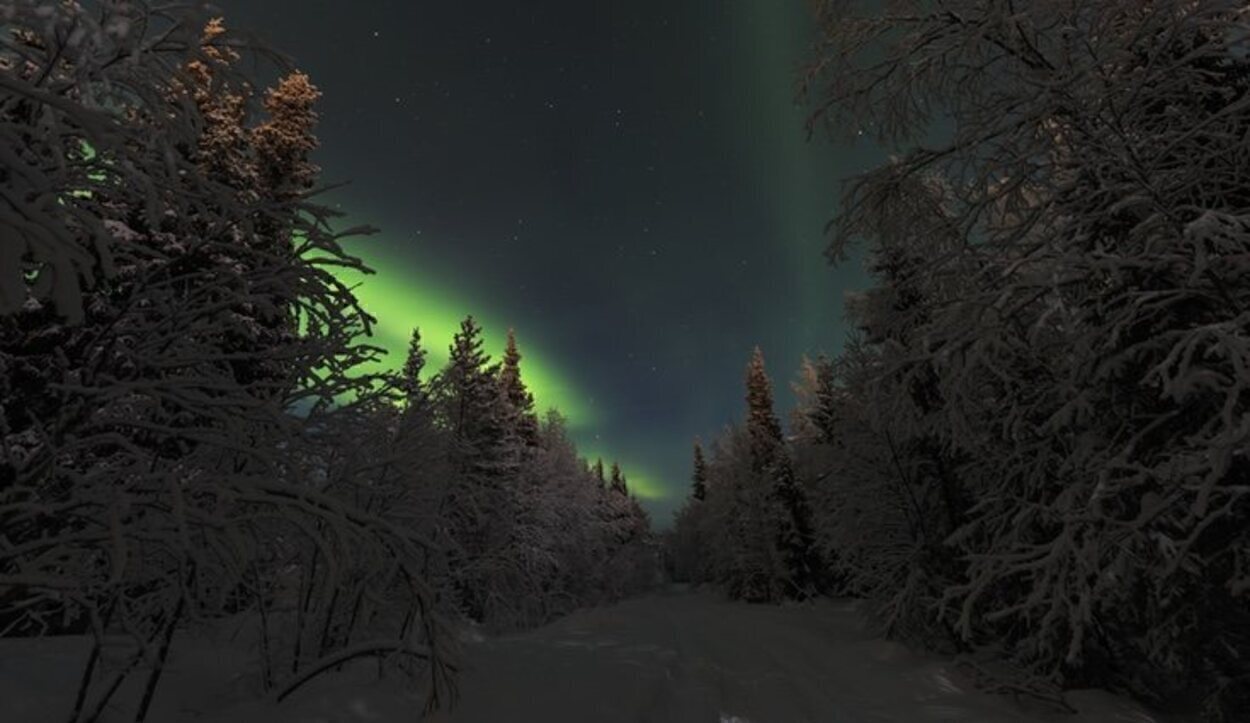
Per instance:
x=627, y=184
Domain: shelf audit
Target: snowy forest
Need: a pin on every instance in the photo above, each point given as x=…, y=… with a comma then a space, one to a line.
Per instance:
x=1034, y=447
x=185, y=436
x=1028, y=459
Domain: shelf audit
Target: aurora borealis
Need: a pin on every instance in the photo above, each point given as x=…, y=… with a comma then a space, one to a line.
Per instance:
x=626, y=184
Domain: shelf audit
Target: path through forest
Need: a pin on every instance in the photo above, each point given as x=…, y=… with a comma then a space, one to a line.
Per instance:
x=693, y=658
x=672, y=657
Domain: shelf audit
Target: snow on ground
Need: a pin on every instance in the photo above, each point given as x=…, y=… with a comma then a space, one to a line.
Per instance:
x=670, y=658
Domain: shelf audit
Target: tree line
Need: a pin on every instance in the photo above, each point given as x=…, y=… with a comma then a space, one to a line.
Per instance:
x=1032, y=451
x=186, y=435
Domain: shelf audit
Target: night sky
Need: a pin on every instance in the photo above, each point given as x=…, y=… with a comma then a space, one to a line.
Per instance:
x=627, y=184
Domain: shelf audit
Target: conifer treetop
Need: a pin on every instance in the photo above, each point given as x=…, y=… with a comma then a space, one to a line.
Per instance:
x=510, y=377
x=617, y=483
x=285, y=140
x=699, y=477
x=466, y=345
x=414, y=365
x=762, y=422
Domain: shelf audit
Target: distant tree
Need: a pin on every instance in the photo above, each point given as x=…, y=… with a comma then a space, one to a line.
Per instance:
x=617, y=481
x=479, y=501
x=597, y=471
x=468, y=394
x=770, y=459
x=524, y=421
x=412, y=385
x=698, y=478
x=817, y=394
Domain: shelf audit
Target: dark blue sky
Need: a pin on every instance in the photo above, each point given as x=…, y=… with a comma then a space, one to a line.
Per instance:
x=626, y=183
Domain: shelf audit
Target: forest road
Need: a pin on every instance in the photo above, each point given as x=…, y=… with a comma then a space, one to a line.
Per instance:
x=688, y=657
x=670, y=657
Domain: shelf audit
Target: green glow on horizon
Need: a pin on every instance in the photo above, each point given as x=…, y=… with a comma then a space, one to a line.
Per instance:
x=400, y=302
x=640, y=484
x=400, y=299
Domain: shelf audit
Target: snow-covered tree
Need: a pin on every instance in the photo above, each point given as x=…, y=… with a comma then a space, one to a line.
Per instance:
x=770, y=459
x=698, y=477
x=523, y=421
x=531, y=530
x=1061, y=320
x=163, y=449
x=816, y=395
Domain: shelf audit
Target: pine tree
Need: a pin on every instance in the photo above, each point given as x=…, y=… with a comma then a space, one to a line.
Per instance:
x=416, y=413
x=479, y=503
x=823, y=413
x=816, y=393
x=414, y=364
x=265, y=166
x=284, y=141
x=222, y=153
x=762, y=423
x=472, y=406
x=597, y=471
x=617, y=483
x=524, y=421
x=699, y=478
x=770, y=459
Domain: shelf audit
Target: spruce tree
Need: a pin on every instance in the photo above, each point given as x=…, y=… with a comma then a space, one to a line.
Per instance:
x=414, y=365
x=762, y=424
x=464, y=383
x=524, y=421
x=822, y=414
x=478, y=503
x=471, y=405
x=597, y=470
x=770, y=459
x=699, y=478
x=617, y=483
x=816, y=393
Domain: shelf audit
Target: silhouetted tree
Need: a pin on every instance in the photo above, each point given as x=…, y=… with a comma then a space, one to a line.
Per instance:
x=412, y=386
x=524, y=421
x=770, y=459
x=617, y=481
x=698, y=478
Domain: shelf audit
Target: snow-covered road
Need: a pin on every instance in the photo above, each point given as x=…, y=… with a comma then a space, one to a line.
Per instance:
x=674, y=657
x=695, y=658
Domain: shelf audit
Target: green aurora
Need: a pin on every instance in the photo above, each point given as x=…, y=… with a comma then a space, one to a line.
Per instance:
x=671, y=220
x=401, y=300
